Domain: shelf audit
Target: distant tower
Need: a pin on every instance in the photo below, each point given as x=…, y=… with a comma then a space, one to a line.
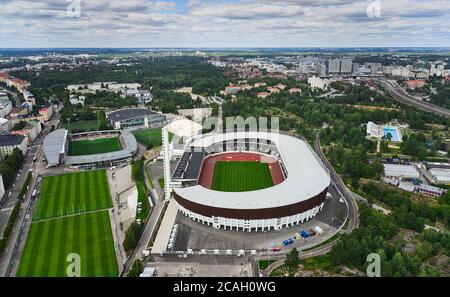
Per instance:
x=166, y=153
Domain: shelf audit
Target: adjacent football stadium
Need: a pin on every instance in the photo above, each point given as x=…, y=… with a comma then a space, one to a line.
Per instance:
x=89, y=149
x=249, y=181
x=71, y=218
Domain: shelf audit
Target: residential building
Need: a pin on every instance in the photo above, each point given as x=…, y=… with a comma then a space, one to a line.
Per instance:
x=4, y=125
x=8, y=142
x=46, y=113
x=31, y=131
x=318, y=83
x=2, y=187
x=295, y=90
x=262, y=94
x=415, y=83
x=429, y=190
x=334, y=66
x=5, y=107
x=346, y=66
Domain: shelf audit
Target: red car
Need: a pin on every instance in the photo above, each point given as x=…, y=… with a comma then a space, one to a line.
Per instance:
x=276, y=249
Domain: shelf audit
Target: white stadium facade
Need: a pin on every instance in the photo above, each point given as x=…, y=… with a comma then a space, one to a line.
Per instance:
x=299, y=197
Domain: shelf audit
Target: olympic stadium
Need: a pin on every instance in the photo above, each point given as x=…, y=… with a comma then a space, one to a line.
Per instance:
x=249, y=181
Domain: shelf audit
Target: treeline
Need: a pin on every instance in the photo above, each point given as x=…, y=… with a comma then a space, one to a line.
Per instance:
x=14, y=214
x=133, y=234
x=377, y=235
x=407, y=213
x=10, y=166
x=164, y=73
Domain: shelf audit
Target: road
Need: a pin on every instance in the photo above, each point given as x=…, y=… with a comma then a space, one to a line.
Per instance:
x=400, y=95
x=149, y=229
x=10, y=259
x=353, y=216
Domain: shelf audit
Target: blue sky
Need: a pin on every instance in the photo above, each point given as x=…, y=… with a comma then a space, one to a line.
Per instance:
x=225, y=23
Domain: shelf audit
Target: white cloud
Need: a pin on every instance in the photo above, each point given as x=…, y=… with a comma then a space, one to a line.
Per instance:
x=202, y=23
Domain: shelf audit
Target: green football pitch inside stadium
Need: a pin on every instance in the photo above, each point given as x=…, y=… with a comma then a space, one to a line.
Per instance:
x=95, y=146
x=73, y=193
x=50, y=242
x=241, y=176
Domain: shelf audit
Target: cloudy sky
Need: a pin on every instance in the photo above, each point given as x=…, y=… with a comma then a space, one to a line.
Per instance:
x=224, y=23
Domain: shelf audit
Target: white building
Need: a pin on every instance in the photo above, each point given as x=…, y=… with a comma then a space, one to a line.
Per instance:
x=4, y=125
x=9, y=142
x=346, y=66
x=2, y=187
x=401, y=171
x=334, y=66
x=318, y=83
x=5, y=107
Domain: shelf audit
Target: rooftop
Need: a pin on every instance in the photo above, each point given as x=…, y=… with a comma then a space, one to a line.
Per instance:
x=129, y=113
x=306, y=176
x=11, y=139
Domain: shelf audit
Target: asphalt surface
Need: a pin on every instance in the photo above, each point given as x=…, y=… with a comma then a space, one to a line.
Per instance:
x=341, y=188
x=400, y=95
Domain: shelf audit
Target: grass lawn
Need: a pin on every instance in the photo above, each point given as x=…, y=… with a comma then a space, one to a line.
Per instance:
x=50, y=242
x=241, y=176
x=150, y=137
x=161, y=183
x=81, y=126
x=96, y=146
x=73, y=193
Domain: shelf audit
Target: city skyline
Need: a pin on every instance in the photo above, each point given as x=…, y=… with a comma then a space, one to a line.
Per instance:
x=224, y=23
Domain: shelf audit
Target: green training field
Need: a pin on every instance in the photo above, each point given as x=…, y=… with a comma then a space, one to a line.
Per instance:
x=95, y=146
x=241, y=176
x=50, y=242
x=150, y=137
x=73, y=193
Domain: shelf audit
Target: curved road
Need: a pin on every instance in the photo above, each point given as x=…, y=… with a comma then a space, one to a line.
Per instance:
x=400, y=95
x=353, y=215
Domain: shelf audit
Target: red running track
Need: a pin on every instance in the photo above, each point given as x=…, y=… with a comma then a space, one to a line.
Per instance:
x=207, y=170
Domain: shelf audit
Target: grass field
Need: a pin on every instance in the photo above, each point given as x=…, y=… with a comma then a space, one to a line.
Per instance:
x=50, y=242
x=81, y=126
x=96, y=146
x=150, y=137
x=72, y=193
x=241, y=176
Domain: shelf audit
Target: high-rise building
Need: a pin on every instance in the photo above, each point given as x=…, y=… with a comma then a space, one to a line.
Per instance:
x=321, y=69
x=334, y=66
x=346, y=66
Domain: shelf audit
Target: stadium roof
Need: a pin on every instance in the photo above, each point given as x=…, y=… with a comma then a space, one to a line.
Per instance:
x=128, y=151
x=306, y=175
x=54, y=144
x=183, y=127
x=128, y=113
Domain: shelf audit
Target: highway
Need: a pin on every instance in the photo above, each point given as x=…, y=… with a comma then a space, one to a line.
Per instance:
x=400, y=95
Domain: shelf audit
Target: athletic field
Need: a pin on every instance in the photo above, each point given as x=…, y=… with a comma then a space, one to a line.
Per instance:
x=73, y=193
x=49, y=242
x=241, y=176
x=95, y=146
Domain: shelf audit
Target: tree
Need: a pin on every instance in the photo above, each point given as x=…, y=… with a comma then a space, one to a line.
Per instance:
x=292, y=258
x=132, y=236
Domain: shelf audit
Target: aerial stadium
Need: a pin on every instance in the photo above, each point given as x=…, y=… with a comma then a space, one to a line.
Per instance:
x=249, y=181
x=89, y=149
